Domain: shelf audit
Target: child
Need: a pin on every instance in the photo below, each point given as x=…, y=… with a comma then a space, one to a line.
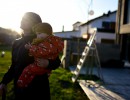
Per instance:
x=45, y=46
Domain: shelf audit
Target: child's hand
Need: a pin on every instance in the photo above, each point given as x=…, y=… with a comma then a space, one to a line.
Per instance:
x=42, y=62
x=27, y=46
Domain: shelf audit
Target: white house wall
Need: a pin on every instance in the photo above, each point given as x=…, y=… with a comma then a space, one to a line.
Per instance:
x=95, y=23
x=83, y=30
x=98, y=23
x=104, y=35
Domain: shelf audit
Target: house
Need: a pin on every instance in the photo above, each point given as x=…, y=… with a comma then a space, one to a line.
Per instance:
x=105, y=25
x=76, y=26
x=108, y=50
x=123, y=30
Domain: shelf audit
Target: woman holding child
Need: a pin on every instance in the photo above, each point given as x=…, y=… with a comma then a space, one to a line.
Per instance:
x=39, y=88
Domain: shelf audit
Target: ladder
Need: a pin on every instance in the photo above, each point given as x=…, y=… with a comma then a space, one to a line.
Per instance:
x=80, y=64
x=62, y=59
x=85, y=54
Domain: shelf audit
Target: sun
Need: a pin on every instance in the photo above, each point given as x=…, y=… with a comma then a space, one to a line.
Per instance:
x=11, y=20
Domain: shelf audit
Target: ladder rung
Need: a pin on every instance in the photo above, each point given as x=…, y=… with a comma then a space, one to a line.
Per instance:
x=73, y=79
x=81, y=60
x=86, y=48
x=76, y=73
x=83, y=53
x=78, y=66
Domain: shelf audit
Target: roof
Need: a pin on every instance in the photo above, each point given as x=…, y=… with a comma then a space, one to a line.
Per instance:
x=77, y=22
x=66, y=31
x=109, y=12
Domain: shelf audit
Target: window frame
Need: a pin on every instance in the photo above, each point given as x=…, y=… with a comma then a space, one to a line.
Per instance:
x=124, y=28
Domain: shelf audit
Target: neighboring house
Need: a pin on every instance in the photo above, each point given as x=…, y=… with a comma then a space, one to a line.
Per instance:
x=76, y=26
x=69, y=34
x=105, y=25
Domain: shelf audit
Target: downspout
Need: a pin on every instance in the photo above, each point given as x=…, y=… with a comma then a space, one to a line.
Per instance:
x=119, y=22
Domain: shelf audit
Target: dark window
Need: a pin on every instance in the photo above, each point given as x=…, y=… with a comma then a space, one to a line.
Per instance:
x=109, y=41
x=108, y=25
x=112, y=25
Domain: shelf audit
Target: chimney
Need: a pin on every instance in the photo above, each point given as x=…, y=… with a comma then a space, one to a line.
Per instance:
x=63, y=28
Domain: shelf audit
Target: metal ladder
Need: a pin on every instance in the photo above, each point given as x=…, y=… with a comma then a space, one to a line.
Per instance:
x=85, y=53
x=80, y=64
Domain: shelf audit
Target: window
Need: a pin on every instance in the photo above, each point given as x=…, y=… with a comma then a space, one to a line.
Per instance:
x=108, y=25
x=108, y=41
x=128, y=12
x=112, y=25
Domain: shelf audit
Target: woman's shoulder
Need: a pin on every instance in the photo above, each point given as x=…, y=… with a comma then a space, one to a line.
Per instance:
x=17, y=41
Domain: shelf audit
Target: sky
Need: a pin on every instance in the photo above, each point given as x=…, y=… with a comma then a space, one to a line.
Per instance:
x=58, y=13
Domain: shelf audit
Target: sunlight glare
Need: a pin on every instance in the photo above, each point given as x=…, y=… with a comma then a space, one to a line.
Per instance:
x=11, y=21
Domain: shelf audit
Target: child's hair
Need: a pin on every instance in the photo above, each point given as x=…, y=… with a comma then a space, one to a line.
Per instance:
x=43, y=28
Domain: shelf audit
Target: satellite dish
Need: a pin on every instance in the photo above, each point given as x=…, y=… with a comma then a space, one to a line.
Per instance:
x=91, y=12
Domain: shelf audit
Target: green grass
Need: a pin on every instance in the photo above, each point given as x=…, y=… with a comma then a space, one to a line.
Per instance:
x=5, y=61
x=61, y=85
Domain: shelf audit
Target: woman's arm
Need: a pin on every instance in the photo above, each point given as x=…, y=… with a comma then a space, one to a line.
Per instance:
x=8, y=76
x=54, y=64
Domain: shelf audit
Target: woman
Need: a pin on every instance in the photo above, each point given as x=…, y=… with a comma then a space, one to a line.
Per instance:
x=39, y=88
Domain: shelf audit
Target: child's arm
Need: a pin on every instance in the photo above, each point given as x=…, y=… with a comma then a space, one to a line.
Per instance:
x=53, y=46
x=44, y=49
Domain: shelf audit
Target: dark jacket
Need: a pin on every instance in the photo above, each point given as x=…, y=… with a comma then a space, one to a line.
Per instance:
x=39, y=87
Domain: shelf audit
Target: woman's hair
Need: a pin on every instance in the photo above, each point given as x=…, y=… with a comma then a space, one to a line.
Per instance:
x=33, y=17
x=30, y=19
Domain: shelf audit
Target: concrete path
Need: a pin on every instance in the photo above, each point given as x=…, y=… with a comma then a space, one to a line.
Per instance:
x=118, y=81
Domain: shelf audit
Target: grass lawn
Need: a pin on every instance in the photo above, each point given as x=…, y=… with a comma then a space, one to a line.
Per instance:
x=61, y=85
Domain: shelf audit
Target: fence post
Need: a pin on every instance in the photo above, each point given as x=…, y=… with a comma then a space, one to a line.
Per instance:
x=66, y=53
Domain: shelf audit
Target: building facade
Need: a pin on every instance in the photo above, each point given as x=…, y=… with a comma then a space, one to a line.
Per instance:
x=123, y=29
x=105, y=25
